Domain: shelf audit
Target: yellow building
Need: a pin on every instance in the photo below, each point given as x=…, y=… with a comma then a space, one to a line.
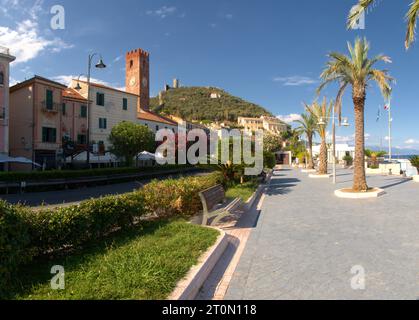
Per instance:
x=269, y=124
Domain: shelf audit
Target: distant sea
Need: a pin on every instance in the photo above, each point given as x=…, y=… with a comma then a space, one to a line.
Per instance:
x=396, y=157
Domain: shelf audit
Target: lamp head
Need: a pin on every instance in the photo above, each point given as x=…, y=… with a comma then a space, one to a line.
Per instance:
x=78, y=87
x=100, y=64
x=345, y=122
x=321, y=122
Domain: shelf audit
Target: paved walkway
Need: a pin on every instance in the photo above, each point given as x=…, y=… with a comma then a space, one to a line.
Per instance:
x=307, y=241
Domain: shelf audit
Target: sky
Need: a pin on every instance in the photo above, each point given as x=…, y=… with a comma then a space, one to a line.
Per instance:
x=270, y=52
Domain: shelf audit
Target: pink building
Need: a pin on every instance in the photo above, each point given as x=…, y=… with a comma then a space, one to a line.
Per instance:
x=5, y=60
x=47, y=119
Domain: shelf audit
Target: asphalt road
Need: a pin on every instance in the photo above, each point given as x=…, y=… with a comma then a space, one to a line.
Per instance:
x=72, y=196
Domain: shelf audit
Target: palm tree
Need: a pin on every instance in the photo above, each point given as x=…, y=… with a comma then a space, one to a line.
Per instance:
x=308, y=126
x=356, y=70
x=321, y=112
x=411, y=17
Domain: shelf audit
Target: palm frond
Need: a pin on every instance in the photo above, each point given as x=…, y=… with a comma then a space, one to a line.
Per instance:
x=357, y=11
x=411, y=18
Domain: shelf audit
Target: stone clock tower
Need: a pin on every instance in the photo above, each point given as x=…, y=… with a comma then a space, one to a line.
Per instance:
x=137, y=77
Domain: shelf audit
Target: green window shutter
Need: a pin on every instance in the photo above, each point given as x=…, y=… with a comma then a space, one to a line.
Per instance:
x=49, y=99
x=125, y=104
x=44, y=134
x=100, y=99
x=54, y=135
x=64, y=109
x=83, y=111
x=105, y=124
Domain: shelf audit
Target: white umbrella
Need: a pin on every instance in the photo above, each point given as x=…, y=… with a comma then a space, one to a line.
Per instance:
x=7, y=159
x=145, y=156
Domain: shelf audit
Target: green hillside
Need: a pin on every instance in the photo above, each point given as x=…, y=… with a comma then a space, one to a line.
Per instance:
x=195, y=103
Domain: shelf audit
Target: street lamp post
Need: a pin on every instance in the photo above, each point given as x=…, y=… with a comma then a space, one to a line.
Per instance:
x=99, y=65
x=345, y=123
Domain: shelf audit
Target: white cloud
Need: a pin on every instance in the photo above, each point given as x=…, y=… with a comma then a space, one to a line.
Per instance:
x=162, y=12
x=213, y=25
x=289, y=118
x=229, y=16
x=66, y=80
x=295, y=80
x=411, y=141
x=26, y=41
x=117, y=59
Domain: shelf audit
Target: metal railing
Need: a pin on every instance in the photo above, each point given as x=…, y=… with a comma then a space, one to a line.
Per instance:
x=53, y=107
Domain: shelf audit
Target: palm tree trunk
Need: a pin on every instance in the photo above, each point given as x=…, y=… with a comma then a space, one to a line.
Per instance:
x=360, y=181
x=323, y=157
x=310, y=154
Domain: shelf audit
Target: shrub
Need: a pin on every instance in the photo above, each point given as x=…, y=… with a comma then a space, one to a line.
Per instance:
x=52, y=229
x=269, y=160
x=178, y=197
x=415, y=161
x=14, y=239
x=348, y=159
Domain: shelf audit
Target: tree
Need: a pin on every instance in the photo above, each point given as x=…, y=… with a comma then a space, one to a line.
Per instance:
x=321, y=112
x=356, y=70
x=415, y=161
x=411, y=18
x=128, y=139
x=271, y=142
x=308, y=126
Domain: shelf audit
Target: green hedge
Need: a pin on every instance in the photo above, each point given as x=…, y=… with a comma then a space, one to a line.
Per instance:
x=25, y=234
x=177, y=197
x=64, y=174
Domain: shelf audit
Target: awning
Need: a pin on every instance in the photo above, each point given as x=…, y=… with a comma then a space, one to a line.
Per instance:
x=6, y=159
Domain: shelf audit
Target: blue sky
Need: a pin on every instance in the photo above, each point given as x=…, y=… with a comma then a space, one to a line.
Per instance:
x=270, y=52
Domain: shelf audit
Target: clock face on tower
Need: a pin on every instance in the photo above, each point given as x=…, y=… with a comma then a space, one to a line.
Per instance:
x=145, y=82
x=132, y=82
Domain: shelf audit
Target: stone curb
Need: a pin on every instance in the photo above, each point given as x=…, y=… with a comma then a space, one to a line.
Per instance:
x=361, y=195
x=319, y=176
x=188, y=288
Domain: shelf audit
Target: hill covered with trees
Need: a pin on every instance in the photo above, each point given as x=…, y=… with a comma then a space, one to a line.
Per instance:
x=205, y=104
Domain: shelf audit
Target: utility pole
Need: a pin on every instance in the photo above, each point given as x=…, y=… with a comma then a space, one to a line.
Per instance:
x=390, y=120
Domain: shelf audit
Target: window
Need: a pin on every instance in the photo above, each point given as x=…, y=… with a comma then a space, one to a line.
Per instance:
x=81, y=139
x=49, y=104
x=1, y=78
x=64, y=109
x=102, y=123
x=100, y=99
x=131, y=63
x=125, y=104
x=83, y=111
x=157, y=128
x=49, y=135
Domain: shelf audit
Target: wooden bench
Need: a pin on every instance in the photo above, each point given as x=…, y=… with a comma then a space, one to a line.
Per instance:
x=212, y=197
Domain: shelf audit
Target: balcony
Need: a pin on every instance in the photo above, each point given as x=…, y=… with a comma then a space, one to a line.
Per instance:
x=52, y=108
